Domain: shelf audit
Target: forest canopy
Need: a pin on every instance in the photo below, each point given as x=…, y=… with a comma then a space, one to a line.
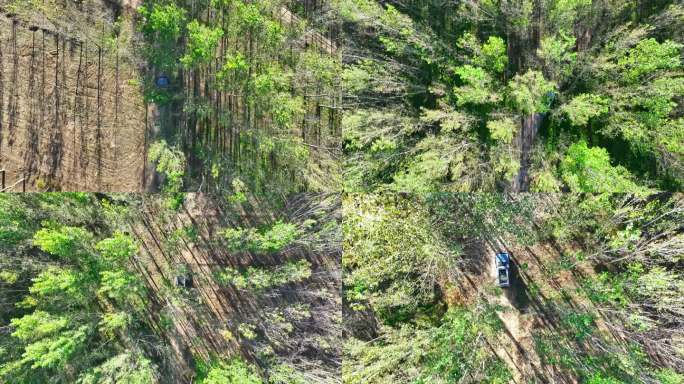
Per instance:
x=544, y=96
x=596, y=294
x=98, y=289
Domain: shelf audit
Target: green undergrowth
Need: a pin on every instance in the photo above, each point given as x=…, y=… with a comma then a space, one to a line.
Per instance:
x=452, y=348
x=234, y=371
x=259, y=279
x=269, y=240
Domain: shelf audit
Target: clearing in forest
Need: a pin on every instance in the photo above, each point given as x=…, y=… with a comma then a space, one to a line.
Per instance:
x=72, y=115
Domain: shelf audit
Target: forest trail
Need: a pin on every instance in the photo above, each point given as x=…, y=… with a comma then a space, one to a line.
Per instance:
x=518, y=321
x=526, y=308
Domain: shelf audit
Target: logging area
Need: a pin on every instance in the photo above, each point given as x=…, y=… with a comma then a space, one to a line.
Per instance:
x=72, y=116
x=122, y=289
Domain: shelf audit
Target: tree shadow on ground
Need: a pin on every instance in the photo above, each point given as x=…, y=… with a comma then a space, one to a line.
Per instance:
x=209, y=311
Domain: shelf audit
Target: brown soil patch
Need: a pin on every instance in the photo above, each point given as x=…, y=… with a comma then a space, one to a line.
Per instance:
x=71, y=116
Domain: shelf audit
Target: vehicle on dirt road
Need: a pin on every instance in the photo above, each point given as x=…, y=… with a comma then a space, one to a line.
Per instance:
x=503, y=262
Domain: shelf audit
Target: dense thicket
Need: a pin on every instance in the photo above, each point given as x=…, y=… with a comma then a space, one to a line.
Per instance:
x=596, y=293
x=252, y=91
x=540, y=95
x=90, y=292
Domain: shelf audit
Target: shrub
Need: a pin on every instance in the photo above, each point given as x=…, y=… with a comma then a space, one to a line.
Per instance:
x=202, y=42
x=585, y=107
x=118, y=248
x=529, y=93
x=234, y=371
x=270, y=240
x=258, y=279
x=587, y=169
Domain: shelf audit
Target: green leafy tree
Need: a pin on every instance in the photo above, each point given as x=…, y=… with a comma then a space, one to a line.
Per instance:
x=477, y=88
x=616, y=77
x=386, y=240
x=585, y=107
x=502, y=130
x=587, y=169
x=259, y=279
x=127, y=368
x=202, y=42
x=233, y=371
x=273, y=239
x=493, y=55
x=171, y=162
x=165, y=21
x=118, y=248
x=55, y=283
x=529, y=93
x=64, y=242
x=647, y=57
x=558, y=56
x=63, y=304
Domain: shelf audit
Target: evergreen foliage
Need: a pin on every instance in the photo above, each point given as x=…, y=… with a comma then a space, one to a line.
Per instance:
x=79, y=304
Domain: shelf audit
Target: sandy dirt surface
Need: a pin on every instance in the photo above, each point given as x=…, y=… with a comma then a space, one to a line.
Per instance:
x=525, y=307
x=71, y=114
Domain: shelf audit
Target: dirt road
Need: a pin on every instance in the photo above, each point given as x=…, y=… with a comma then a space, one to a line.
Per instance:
x=527, y=307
